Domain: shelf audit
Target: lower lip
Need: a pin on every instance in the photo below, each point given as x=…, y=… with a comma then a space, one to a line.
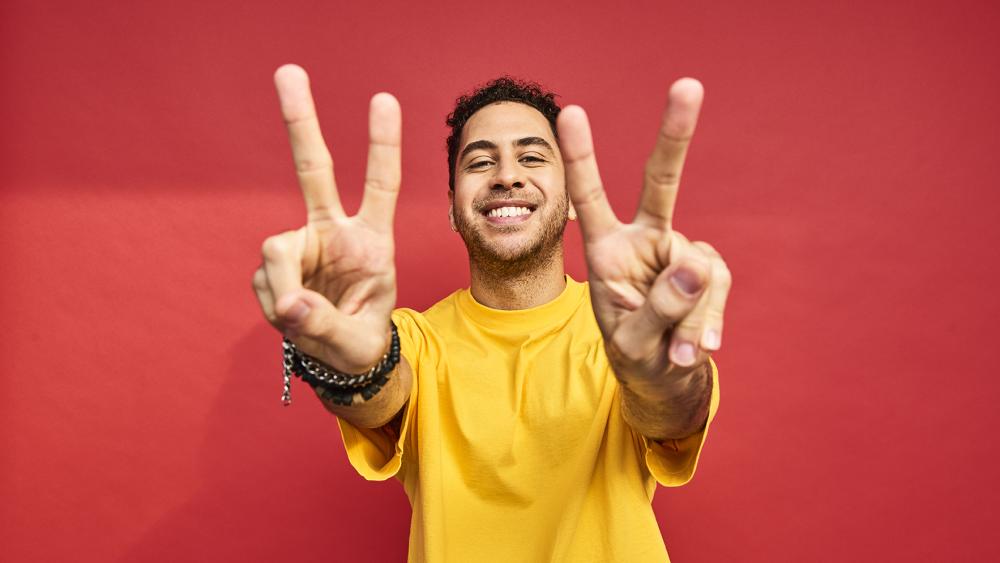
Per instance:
x=509, y=220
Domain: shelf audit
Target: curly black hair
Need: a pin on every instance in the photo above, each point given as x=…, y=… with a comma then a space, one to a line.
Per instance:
x=503, y=89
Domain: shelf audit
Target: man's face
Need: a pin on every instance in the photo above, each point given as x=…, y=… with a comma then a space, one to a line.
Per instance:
x=509, y=203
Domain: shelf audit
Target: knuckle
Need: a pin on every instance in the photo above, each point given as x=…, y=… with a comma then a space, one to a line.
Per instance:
x=674, y=135
x=722, y=275
x=713, y=318
x=313, y=163
x=259, y=280
x=664, y=306
x=662, y=179
x=591, y=194
x=678, y=238
x=272, y=247
x=689, y=329
x=706, y=248
x=275, y=247
x=378, y=185
x=703, y=263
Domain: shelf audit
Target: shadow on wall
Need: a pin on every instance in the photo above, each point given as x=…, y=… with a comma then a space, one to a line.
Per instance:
x=275, y=483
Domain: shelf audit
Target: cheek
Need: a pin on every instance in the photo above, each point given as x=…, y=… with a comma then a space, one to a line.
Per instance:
x=551, y=179
x=553, y=186
x=464, y=197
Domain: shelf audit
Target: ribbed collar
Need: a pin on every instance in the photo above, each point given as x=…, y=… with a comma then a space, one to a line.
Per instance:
x=525, y=320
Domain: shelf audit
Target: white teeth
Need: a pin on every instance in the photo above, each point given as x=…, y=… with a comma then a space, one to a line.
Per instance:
x=508, y=212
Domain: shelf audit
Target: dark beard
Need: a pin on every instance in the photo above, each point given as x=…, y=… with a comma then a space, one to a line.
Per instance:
x=522, y=260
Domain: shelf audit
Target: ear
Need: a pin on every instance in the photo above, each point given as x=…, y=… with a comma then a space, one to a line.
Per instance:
x=451, y=210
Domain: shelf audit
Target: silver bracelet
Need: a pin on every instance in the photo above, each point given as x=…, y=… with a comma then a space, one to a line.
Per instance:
x=335, y=385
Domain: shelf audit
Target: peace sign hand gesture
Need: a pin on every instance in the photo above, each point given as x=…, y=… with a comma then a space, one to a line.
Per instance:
x=330, y=286
x=658, y=298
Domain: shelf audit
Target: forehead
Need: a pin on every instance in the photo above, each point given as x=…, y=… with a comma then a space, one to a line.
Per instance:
x=506, y=121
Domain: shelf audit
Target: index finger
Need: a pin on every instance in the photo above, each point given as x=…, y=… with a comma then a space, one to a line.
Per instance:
x=583, y=180
x=313, y=163
x=663, y=169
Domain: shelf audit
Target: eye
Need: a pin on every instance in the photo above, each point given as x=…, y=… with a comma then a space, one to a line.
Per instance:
x=479, y=164
x=532, y=159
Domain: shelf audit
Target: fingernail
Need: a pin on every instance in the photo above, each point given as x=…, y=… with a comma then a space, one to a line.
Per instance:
x=684, y=354
x=297, y=313
x=686, y=281
x=711, y=339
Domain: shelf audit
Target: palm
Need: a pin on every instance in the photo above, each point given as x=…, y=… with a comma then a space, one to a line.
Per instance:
x=623, y=266
x=352, y=266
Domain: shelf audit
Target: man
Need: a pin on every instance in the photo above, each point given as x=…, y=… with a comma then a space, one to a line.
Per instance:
x=530, y=416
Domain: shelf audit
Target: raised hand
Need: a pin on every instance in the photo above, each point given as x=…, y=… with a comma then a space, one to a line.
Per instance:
x=658, y=298
x=330, y=286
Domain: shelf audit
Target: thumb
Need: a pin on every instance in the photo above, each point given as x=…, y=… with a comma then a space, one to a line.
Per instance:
x=319, y=329
x=309, y=315
x=673, y=295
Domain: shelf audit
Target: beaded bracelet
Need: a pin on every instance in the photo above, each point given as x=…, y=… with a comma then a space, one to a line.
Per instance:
x=331, y=384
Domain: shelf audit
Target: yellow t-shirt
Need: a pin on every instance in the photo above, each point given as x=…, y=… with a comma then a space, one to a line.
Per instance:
x=513, y=446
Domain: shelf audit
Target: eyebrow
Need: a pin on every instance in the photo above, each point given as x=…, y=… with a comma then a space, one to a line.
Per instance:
x=483, y=144
x=528, y=141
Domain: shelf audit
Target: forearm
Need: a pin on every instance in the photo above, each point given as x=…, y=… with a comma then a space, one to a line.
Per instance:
x=672, y=404
x=382, y=407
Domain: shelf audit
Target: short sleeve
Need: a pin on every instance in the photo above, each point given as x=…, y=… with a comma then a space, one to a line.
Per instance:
x=673, y=462
x=377, y=453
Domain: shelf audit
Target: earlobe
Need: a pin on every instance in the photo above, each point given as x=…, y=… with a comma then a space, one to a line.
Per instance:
x=451, y=211
x=572, y=212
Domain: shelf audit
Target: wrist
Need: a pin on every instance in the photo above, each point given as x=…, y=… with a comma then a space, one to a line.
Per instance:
x=669, y=407
x=336, y=386
x=653, y=375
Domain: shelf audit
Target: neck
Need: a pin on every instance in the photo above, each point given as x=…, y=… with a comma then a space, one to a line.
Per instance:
x=521, y=288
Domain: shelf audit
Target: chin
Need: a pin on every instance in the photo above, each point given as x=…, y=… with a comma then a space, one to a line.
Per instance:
x=515, y=248
x=510, y=253
x=507, y=250
x=511, y=257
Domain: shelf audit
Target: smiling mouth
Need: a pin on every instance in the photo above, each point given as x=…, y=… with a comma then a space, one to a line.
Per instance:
x=508, y=211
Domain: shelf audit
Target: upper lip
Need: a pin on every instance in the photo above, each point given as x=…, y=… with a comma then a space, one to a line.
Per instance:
x=497, y=203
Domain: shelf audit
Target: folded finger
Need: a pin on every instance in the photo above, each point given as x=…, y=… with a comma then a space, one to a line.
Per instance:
x=700, y=333
x=265, y=297
x=319, y=329
x=671, y=298
x=711, y=310
x=283, y=262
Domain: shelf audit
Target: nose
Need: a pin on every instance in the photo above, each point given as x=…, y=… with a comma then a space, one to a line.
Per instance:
x=508, y=176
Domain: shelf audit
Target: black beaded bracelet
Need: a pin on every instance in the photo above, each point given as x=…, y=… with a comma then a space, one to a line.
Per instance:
x=334, y=385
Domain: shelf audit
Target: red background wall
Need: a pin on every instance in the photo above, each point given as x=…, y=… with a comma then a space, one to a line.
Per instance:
x=845, y=166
